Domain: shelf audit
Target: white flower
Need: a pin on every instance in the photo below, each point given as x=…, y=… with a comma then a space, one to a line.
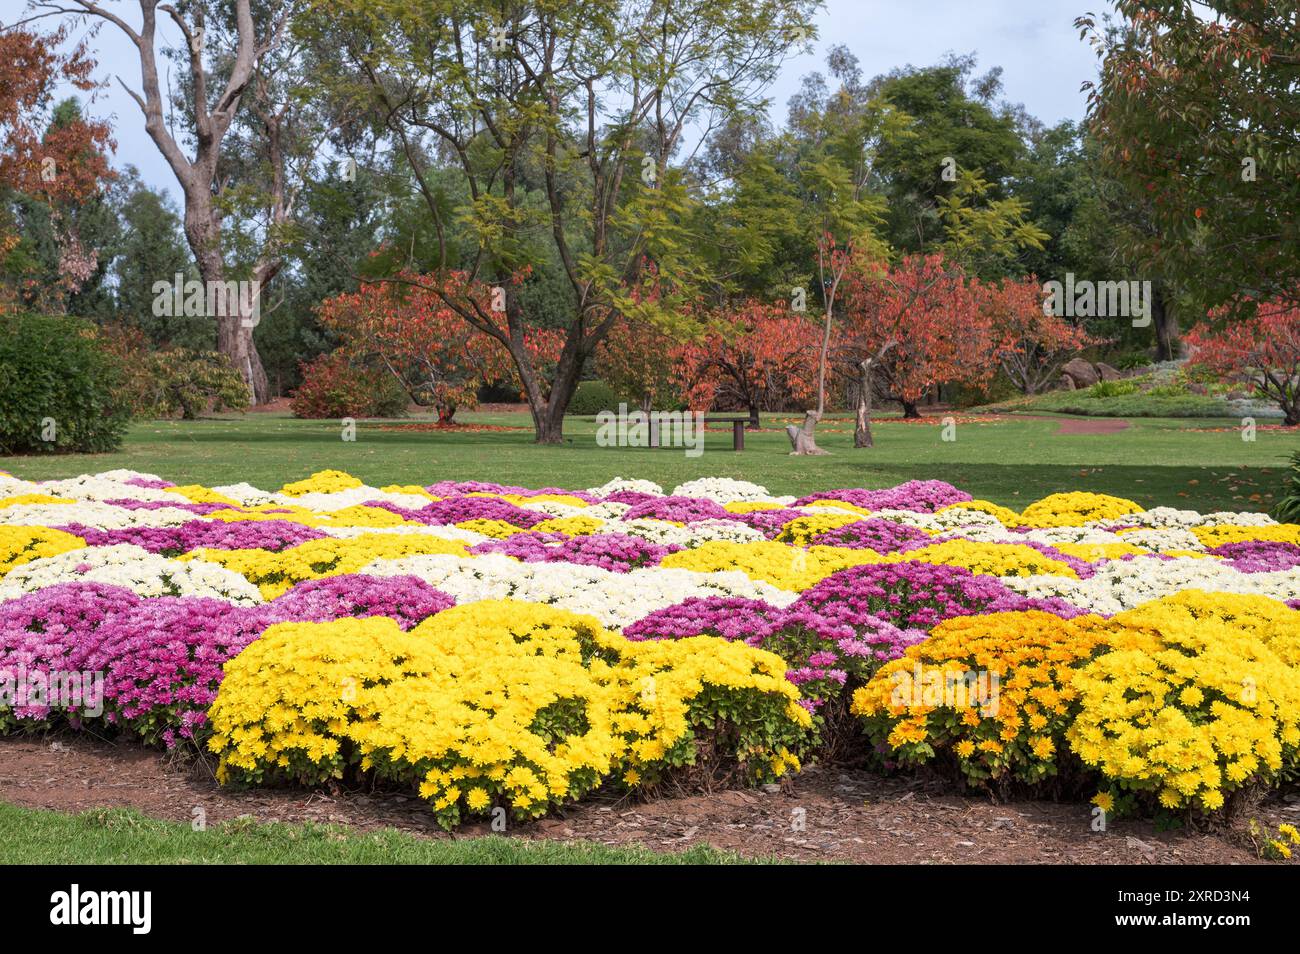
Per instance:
x=623, y=485
x=667, y=534
x=1123, y=584
x=100, y=516
x=617, y=599
x=723, y=490
x=134, y=568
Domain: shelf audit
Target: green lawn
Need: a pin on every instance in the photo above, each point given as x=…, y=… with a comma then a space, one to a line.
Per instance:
x=1011, y=461
x=120, y=836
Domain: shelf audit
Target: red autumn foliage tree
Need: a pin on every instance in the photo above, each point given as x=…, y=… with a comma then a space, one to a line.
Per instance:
x=406, y=327
x=639, y=360
x=59, y=163
x=1029, y=341
x=1262, y=351
x=758, y=356
x=907, y=327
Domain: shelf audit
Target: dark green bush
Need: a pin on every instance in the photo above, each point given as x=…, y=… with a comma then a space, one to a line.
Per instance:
x=57, y=387
x=592, y=397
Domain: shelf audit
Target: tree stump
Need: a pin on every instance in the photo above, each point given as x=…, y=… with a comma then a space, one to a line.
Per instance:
x=803, y=439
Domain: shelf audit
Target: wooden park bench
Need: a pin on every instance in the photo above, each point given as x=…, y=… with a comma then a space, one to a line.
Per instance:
x=737, y=422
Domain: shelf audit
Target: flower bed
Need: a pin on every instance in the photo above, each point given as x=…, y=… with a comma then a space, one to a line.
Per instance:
x=496, y=647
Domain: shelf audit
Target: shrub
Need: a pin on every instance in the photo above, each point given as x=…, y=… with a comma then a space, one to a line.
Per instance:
x=1186, y=708
x=1131, y=360
x=498, y=703
x=57, y=388
x=1105, y=389
x=163, y=383
x=591, y=398
x=333, y=387
x=994, y=694
x=1288, y=507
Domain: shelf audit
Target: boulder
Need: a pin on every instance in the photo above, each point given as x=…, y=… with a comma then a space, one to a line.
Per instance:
x=1107, y=372
x=1081, y=373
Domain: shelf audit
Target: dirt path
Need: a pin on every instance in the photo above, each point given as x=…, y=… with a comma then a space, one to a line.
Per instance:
x=824, y=815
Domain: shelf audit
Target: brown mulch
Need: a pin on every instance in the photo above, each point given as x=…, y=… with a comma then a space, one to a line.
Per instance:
x=825, y=814
x=1093, y=425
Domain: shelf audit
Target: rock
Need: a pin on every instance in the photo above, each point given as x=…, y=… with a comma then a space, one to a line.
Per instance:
x=1107, y=373
x=1081, y=373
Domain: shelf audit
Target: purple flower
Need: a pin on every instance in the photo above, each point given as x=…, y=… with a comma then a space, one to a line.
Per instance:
x=407, y=599
x=916, y=595
x=453, y=510
x=923, y=496
x=456, y=488
x=1259, y=556
x=678, y=509
x=730, y=617
x=201, y=509
x=883, y=536
x=274, y=535
x=618, y=552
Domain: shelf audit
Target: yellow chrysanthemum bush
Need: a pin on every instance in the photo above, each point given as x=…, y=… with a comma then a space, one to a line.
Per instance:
x=20, y=545
x=274, y=573
x=801, y=531
x=787, y=567
x=322, y=482
x=1075, y=508
x=1188, y=707
x=497, y=704
x=995, y=559
x=989, y=696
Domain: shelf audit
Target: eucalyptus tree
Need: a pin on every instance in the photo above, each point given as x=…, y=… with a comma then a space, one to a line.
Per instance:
x=235, y=109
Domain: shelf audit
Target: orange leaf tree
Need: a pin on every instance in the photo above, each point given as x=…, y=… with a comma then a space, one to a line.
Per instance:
x=1262, y=350
x=406, y=326
x=58, y=162
x=908, y=327
x=1029, y=341
x=757, y=355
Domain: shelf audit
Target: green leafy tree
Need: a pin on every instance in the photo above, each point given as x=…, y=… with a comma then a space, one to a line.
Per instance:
x=564, y=120
x=1197, y=116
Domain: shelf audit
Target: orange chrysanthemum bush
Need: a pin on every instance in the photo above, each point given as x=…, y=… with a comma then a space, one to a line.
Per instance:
x=990, y=696
x=1191, y=705
x=499, y=704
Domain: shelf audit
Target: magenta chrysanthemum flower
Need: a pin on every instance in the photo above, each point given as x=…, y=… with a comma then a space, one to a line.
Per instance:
x=679, y=510
x=923, y=496
x=618, y=552
x=273, y=535
x=917, y=595
x=883, y=536
x=459, y=509
x=406, y=599
x=1259, y=556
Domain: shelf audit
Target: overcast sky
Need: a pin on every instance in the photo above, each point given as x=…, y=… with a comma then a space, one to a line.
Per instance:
x=1034, y=41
